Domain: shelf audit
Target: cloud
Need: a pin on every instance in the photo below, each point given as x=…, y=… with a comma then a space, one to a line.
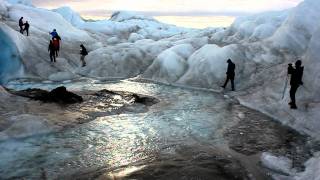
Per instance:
x=101, y=13
x=171, y=7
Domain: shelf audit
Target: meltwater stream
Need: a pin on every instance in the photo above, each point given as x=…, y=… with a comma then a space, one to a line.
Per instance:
x=181, y=137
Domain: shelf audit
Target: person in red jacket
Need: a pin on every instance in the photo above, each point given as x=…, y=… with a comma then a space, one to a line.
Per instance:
x=56, y=45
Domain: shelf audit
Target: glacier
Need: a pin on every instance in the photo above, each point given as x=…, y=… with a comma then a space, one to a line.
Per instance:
x=130, y=45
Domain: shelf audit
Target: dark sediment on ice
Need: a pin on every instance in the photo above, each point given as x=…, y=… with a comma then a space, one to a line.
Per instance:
x=62, y=96
x=91, y=103
x=58, y=95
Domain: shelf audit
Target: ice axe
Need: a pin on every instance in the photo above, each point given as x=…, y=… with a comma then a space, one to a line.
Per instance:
x=285, y=86
x=286, y=83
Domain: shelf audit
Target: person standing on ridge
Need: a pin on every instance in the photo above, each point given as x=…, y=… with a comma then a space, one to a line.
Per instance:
x=230, y=74
x=26, y=27
x=83, y=52
x=51, y=50
x=21, y=25
x=295, y=81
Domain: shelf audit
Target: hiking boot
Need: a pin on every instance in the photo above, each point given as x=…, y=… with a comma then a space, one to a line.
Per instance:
x=293, y=106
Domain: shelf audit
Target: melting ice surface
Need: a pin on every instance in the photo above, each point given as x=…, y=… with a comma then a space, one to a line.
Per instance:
x=183, y=117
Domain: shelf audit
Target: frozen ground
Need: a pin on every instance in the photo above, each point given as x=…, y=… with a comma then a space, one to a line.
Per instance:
x=130, y=45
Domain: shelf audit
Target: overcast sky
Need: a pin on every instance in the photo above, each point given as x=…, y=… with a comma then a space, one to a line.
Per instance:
x=230, y=8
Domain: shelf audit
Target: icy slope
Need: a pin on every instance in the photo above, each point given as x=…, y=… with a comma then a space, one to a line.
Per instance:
x=32, y=51
x=122, y=59
x=295, y=33
x=45, y=21
x=298, y=37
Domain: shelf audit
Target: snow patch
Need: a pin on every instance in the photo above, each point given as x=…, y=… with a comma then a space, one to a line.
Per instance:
x=127, y=15
x=61, y=76
x=71, y=16
x=167, y=67
x=312, y=169
x=135, y=37
x=183, y=50
x=281, y=165
x=296, y=31
x=208, y=65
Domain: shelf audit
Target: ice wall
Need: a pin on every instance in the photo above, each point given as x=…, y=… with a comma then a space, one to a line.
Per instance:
x=10, y=60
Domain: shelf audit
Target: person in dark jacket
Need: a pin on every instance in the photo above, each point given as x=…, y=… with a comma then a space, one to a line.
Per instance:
x=230, y=74
x=295, y=81
x=26, y=27
x=21, y=25
x=51, y=50
x=83, y=52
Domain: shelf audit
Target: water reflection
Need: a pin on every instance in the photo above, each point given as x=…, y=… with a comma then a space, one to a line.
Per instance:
x=183, y=121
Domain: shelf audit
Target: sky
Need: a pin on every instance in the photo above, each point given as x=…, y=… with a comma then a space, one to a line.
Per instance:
x=188, y=13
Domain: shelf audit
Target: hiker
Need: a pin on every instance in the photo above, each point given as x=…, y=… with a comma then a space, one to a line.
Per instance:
x=21, y=25
x=295, y=81
x=26, y=27
x=56, y=45
x=51, y=50
x=83, y=52
x=54, y=33
x=230, y=74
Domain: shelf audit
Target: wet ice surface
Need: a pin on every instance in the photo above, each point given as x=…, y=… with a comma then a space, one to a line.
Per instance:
x=185, y=136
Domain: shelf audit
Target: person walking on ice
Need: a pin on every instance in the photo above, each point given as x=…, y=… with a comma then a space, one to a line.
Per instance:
x=56, y=45
x=51, y=50
x=21, y=25
x=230, y=74
x=26, y=27
x=83, y=52
x=295, y=81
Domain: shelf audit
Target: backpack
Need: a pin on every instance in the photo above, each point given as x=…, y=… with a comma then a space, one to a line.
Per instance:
x=56, y=44
x=84, y=51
